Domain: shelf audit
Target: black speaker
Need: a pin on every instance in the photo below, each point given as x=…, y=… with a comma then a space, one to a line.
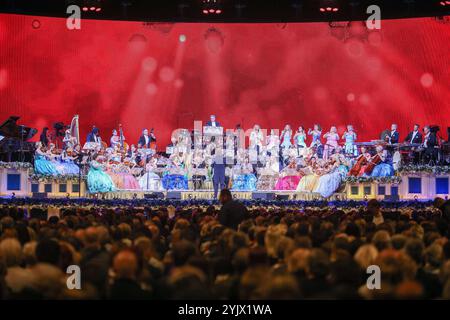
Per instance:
x=448, y=134
x=263, y=196
x=154, y=195
x=282, y=197
x=39, y=195
x=391, y=197
x=174, y=195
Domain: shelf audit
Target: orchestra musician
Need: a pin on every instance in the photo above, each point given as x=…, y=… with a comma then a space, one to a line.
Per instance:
x=146, y=140
x=68, y=140
x=44, y=137
x=393, y=136
x=361, y=162
x=414, y=136
x=374, y=161
x=94, y=136
x=115, y=139
x=429, y=144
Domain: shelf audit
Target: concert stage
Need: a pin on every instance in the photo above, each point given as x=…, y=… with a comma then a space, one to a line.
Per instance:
x=421, y=183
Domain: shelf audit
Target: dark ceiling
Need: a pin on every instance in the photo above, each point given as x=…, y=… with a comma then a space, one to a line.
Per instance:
x=232, y=10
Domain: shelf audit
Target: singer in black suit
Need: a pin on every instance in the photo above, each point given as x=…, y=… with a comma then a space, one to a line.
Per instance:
x=414, y=136
x=213, y=122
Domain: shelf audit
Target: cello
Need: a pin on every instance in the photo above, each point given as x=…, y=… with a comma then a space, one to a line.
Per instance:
x=360, y=162
x=376, y=159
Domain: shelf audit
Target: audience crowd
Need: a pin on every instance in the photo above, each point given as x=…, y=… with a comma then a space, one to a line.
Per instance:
x=198, y=252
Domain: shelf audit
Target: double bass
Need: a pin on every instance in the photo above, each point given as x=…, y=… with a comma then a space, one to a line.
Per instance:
x=152, y=140
x=122, y=143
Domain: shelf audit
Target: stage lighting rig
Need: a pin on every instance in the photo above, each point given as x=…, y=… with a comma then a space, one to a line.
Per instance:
x=211, y=7
x=329, y=6
x=444, y=3
x=91, y=5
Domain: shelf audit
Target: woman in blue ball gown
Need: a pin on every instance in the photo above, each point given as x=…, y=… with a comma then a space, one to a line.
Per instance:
x=383, y=169
x=350, y=138
x=244, y=179
x=68, y=162
x=97, y=180
x=63, y=163
x=316, y=143
x=42, y=164
x=285, y=137
x=329, y=182
x=299, y=140
x=175, y=178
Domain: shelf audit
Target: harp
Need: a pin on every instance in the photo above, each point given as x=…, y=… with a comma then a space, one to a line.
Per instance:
x=75, y=129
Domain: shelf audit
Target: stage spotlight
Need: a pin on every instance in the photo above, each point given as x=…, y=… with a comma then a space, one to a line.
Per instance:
x=328, y=6
x=211, y=7
x=182, y=38
x=91, y=5
x=36, y=24
x=444, y=3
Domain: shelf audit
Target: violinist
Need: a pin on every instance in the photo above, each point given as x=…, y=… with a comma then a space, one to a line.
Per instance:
x=44, y=137
x=42, y=164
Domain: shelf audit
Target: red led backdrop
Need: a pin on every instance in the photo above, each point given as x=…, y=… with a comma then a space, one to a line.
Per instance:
x=270, y=74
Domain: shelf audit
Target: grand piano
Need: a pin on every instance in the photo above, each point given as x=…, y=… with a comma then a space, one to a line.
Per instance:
x=14, y=141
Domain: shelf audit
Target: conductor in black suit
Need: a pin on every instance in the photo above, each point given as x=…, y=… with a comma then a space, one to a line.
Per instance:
x=218, y=167
x=232, y=212
x=414, y=136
